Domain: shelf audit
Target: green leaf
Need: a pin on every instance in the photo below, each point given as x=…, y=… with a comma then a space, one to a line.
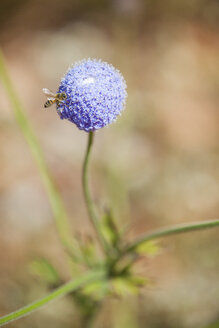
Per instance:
x=110, y=230
x=45, y=271
x=97, y=289
x=149, y=248
x=124, y=287
x=88, y=251
x=129, y=284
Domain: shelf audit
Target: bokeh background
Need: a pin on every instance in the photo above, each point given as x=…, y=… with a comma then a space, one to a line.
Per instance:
x=157, y=165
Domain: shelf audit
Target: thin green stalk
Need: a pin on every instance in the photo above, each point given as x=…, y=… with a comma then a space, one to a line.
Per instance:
x=182, y=228
x=57, y=206
x=87, y=195
x=57, y=293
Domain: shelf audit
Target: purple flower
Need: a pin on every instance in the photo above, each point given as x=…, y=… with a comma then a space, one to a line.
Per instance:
x=95, y=94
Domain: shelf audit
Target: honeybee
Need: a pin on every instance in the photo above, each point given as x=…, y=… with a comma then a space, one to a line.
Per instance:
x=53, y=98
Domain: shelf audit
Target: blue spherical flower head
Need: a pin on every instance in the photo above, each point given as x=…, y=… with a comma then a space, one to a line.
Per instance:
x=95, y=94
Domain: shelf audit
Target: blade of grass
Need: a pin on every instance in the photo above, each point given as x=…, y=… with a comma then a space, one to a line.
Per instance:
x=69, y=287
x=57, y=206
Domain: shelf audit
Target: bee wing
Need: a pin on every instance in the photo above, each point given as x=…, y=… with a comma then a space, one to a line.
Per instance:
x=47, y=92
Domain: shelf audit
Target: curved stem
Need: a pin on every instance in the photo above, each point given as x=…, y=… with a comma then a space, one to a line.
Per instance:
x=182, y=228
x=87, y=195
x=59, y=292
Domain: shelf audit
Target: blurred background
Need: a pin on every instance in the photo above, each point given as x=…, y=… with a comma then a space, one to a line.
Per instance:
x=157, y=165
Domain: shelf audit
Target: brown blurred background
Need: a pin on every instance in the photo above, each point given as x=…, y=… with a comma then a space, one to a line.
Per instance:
x=157, y=165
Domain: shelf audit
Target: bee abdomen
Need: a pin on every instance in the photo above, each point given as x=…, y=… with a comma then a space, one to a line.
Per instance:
x=48, y=103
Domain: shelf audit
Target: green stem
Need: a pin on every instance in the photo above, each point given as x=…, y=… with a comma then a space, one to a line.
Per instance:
x=57, y=206
x=182, y=228
x=87, y=195
x=59, y=292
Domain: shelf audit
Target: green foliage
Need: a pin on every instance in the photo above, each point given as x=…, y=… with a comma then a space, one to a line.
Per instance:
x=148, y=248
x=110, y=231
x=67, y=288
x=87, y=305
x=129, y=284
x=88, y=251
x=45, y=271
x=98, y=289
